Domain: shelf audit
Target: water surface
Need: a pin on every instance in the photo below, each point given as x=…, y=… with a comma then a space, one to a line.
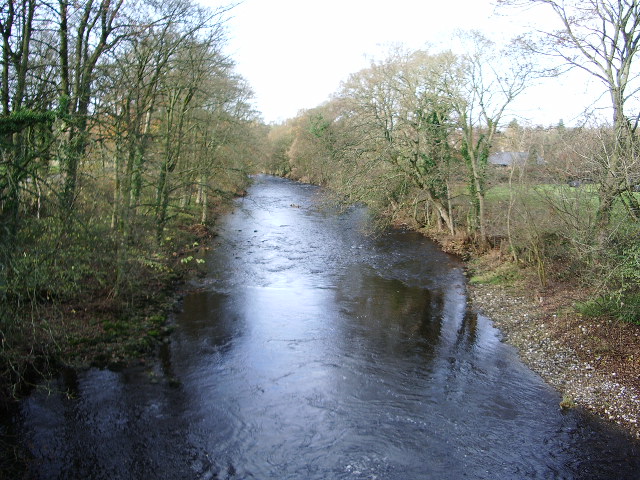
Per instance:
x=313, y=350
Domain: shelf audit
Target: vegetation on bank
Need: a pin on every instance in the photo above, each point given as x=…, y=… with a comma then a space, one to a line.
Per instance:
x=124, y=129
x=421, y=138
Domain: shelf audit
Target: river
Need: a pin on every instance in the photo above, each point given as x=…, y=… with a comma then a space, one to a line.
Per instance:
x=314, y=349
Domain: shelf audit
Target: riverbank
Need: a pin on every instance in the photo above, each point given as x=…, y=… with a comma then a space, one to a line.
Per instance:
x=593, y=363
x=97, y=328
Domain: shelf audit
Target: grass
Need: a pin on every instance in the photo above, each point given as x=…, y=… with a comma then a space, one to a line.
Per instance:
x=621, y=307
x=490, y=271
x=535, y=194
x=559, y=195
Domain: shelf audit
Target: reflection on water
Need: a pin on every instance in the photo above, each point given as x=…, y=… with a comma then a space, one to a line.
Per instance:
x=314, y=351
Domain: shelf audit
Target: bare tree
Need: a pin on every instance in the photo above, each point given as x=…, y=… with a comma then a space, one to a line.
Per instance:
x=182, y=90
x=492, y=80
x=87, y=30
x=602, y=38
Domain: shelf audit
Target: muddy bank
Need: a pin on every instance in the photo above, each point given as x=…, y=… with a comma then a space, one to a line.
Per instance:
x=593, y=363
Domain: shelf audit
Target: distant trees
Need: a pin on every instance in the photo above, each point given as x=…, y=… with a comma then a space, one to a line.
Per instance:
x=314, y=145
x=416, y=128
x=276, y=159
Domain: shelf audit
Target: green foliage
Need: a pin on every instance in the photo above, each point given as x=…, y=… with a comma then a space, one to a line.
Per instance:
x=43, y=270
x=21, y=119
x=116, y=327
x=156, y=262
x=505, y=274
x=318, y=125
x=626, y=254
x=619, y=267
x=624, y=307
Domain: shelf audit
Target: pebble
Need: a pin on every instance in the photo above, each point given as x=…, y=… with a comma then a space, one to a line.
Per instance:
x=559, y=365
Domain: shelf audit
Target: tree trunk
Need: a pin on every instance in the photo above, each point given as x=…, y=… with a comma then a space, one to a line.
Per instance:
x=205, y=206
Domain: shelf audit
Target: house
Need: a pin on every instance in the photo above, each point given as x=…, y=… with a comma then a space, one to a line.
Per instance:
x=507, y=159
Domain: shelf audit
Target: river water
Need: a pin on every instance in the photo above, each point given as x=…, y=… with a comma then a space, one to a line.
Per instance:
x=314, y=350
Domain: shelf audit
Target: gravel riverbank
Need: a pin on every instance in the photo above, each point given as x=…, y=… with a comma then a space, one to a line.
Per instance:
x=594, y=364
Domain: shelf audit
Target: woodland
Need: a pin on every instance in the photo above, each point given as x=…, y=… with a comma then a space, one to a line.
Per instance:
x=124, y=127
x=125, y=131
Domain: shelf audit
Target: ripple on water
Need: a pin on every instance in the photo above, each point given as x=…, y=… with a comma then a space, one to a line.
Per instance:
x=314, y=351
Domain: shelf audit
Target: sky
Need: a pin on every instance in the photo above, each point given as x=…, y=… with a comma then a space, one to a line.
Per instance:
x=295, y=53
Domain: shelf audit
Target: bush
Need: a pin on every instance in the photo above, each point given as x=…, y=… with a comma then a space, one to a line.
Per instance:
x=617, y=272
x=618, y=306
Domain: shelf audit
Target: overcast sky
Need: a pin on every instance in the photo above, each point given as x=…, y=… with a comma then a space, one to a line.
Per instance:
x=295, y=53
